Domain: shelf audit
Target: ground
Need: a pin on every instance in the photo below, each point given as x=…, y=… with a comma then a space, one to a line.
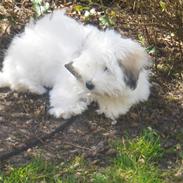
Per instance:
x=24, y=116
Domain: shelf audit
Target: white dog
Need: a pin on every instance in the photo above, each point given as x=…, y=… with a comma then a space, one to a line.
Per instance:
x=80, y=63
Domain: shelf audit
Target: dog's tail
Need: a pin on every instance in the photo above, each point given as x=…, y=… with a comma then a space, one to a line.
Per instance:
x=3, y=80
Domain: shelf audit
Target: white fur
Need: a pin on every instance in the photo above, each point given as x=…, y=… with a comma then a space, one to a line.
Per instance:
x=36, y=59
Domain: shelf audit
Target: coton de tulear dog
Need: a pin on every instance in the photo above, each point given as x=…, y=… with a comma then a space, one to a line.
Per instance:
x=80, y=63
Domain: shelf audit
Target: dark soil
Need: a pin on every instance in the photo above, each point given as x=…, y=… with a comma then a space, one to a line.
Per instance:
x=23, y=116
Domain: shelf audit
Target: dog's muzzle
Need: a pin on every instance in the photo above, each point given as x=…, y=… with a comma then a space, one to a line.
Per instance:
x=90, y=85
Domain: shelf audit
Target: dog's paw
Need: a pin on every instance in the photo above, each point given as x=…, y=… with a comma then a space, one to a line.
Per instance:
x=40, y=90
x=99, y=111
x=60, y=113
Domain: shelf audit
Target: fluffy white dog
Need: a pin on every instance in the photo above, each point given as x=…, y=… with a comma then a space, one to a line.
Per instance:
x=80, y=63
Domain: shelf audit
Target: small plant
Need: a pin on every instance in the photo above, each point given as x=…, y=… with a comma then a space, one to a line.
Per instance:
x=106, y=21
x=40, y=7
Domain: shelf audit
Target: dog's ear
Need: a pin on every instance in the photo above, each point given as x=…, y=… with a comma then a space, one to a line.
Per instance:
x=71, y=69
x=131, y=76
x=131, y=65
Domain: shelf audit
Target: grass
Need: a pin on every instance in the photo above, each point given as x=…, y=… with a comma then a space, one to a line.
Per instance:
x=136, y=162
x=36, y=171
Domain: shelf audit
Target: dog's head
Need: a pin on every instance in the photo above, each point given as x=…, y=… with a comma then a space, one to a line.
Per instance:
x=110, y=71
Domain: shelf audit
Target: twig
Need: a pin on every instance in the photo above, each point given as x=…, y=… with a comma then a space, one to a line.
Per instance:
x=33, y=142
x=76, y=145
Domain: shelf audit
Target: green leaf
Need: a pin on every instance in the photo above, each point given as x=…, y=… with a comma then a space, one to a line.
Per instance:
x=80, y=8
x=141, y=39
x=36, y=2
x=162, y=5
x=106, y=21
x=151, y=49
x=40, y=7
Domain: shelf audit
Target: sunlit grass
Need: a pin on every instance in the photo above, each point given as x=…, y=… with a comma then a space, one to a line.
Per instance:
x=136, y=162
x=36, y=171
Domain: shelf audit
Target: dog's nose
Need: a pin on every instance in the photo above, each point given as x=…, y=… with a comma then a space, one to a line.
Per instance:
x=90, y=85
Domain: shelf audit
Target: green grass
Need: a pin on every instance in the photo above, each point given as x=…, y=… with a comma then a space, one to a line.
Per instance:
x=36, y=171
x=136, y=162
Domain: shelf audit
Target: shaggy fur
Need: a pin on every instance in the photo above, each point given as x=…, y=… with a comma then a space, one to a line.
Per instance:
x=110, y=69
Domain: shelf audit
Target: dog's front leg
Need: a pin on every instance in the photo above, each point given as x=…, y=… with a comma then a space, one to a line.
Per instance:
x=112, y=107
x=67, y=101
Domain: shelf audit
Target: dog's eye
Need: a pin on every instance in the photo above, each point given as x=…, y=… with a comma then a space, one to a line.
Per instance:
x=106, y=69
